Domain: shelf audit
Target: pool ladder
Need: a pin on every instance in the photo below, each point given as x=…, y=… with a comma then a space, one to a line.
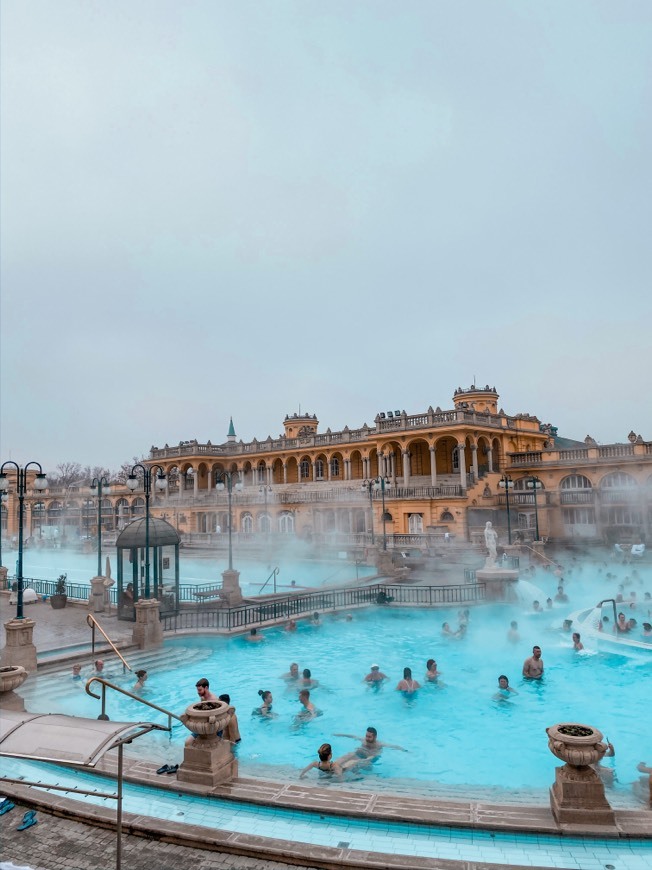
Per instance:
x=105, y=684
x=94, y=624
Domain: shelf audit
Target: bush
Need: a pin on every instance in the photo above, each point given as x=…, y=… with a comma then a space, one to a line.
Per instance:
x=61, y=585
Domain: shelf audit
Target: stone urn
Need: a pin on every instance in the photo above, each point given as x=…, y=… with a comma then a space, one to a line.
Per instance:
x=11, y=677
x=577, y=745
x=207, y=758
x=577, y=796
x=206, y=718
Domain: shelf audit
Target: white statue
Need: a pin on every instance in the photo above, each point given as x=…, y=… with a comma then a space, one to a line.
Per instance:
x=490, y=539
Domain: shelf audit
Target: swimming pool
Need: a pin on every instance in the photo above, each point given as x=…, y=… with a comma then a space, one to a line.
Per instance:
x=199, y=570
x=456, y=734
x=365, y=835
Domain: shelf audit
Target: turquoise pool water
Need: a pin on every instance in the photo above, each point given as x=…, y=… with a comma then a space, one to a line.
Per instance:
x=454, y=733
x=503, y=849
x=198, y=571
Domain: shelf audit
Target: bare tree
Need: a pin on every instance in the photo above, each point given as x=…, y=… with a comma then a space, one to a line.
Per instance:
x=125, y=470
x=97, y=472
x=66, y=474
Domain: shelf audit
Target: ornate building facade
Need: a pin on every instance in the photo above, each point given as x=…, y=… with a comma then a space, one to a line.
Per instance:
x=443, y=473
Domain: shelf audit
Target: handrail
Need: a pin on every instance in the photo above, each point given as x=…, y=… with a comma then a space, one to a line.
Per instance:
x=538, y=554
x=273, y=575
x=105, y=683
x=90, y=619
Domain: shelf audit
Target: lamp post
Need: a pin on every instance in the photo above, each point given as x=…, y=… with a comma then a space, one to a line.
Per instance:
x=369, y=486
x=100, y=485
x=225, y=479
x=265, y=490
x=4, y=498
x=132, y=483
x=534, y=484
x=507, y=483
x=40, y=483
x=380, y=484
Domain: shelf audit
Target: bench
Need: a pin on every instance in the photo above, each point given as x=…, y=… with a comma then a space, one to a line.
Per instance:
x=208, y=594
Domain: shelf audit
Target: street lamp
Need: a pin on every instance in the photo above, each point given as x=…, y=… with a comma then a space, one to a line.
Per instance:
x=225, y=478
x=507, y=483
x=369, y=486
x=132, y=483
x=98, y=486
x=40, y=483
x=4, y=498
x=534, y=484
x=380, y=484
x=265, y=490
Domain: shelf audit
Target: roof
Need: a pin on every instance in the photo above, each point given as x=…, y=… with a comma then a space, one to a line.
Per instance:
x=160, y=534
x=64, y=739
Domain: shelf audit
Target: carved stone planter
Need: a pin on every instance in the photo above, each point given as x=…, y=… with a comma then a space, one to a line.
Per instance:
x=11, y=677
x=206, y=718
x=577, y=796
x=207, y=758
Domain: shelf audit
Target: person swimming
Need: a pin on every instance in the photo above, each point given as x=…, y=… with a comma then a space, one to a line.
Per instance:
x=265, y=709
x=325, y=765
x=407, y=685
x=505, y=691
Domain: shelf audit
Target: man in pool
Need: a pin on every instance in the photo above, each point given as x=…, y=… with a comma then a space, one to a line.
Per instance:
x=203, y=690
x=533, y=666
x=291, y=675
x=369, y=750
x=375, y=675
x=512, y=635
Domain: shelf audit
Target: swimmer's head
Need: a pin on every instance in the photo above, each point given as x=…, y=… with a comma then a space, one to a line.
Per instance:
x=503, y=682
x=324, y=752
x=371, y=734
x=407, y=673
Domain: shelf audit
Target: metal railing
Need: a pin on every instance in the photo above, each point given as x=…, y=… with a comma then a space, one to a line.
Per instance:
x=107, y=685
x=94, y=624
x=297, y=606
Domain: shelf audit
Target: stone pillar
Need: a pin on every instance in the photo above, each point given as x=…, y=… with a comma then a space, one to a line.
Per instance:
x=384, y=561
x=231, y=591
x=147, y=630
x=474, y=460
x=462, y=460
x=96, y=598
x=285, y=472
x=195, y=484
x=381, y=465
x=19, y=649
x=406, y=468
x=433, y=466
x=490, y=459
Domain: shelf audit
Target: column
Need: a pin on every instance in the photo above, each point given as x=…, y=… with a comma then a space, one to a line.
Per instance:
x=285, y=472
x=314, y=473
x=270, y=475
x=462, y=461
x=433, y=466
x=406, y=467
x=474, y=460
x=328, y=470
x=490, y=459
x=381, y=465
x=195, y=483
x=347, y=469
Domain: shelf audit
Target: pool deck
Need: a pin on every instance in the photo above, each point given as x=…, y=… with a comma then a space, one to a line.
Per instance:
x=69, y=822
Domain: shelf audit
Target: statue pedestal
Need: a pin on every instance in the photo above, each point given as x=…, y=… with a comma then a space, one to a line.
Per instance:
x=231, y=592
x=96, y=599
x=19, y=649
x=577, y=798
x=384, y=562
x=499, y=583
x=207, y=762
x=147, y=630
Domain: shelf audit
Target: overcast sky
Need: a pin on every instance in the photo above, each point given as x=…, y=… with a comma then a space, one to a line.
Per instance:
x=239, y=208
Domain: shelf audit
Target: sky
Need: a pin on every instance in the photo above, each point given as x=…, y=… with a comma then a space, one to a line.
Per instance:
x=214, y=209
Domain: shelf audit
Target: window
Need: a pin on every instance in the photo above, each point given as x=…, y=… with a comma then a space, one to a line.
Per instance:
x=415, y=524
x=526, y=520
x=319, y=469
x=247, y=524
x=262, y=472
x=618, y=480
x=576, y=481
x=264, y=524
x=305, y=469
x=623, y=516
x=335, y=467
x=578, y=516
x=286, y=523
x=447, y=517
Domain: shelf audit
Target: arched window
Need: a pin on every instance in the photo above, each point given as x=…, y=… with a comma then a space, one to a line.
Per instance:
x=138, y=507
x=618, y=480
x=415, y=524
x=305, y=469
x=262, y=472
x=247, y=524
x=264, y=524
x=447, y=517
x=319, y=469
x=286, y=523
x=576, y=481
x=456, y=459
x=335, y=467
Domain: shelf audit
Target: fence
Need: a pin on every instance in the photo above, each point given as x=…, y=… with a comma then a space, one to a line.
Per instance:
x=302, y=605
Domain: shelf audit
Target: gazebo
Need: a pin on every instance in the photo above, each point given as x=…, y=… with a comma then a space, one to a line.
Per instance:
x=164, y=565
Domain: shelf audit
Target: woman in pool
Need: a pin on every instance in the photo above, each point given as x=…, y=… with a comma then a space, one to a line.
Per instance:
x=325, y=765
x=432, y=674
x=407, y=685
x=138, y=685
x=265, y=709
x=505, y=691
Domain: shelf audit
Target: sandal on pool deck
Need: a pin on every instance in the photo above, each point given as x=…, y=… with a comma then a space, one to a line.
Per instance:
x=29, y=819
x=6, y=806
x=172, y=769
x=163, y=769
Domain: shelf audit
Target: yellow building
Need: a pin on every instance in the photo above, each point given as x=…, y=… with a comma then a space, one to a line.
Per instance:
x=443, y=474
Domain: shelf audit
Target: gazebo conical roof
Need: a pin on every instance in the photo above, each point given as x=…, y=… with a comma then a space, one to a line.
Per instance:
x=161, y=533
